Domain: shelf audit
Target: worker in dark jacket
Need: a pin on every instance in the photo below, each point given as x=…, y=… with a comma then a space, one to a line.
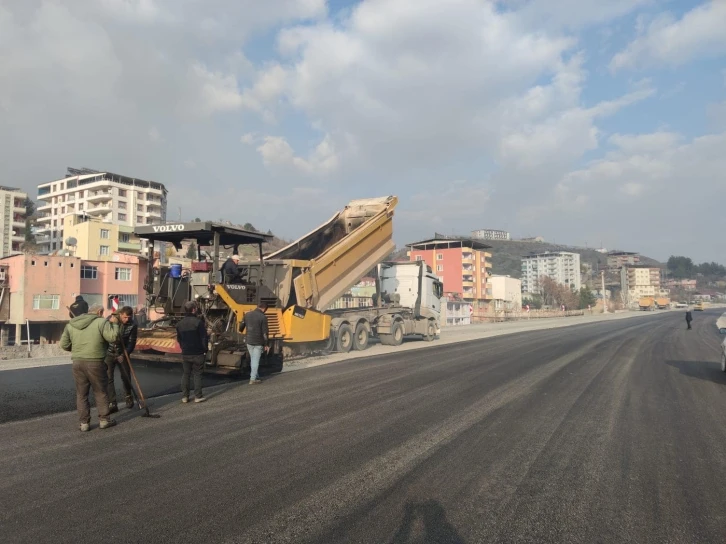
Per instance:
x=230, y=271
x=191, y=333
x=79, y=307
x=115, y=357
x=256, y=327
x=689, y=318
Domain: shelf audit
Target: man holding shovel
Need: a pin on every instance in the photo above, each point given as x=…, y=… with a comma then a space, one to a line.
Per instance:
x=115, y=357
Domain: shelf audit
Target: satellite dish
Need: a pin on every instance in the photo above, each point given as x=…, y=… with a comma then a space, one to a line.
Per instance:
x=71, y=241
x=116, y=258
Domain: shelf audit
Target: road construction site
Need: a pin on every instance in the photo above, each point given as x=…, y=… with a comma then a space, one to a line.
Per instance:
x=37, y=387
x=609, y=430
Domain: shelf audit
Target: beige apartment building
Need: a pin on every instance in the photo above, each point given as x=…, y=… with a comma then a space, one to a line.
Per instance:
x=110, y=198
x=94, y=239
x=12, y=220
x=640, y=281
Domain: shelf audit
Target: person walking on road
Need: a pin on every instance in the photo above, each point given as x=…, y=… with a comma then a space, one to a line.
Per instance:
x=79, y=307
x=689, y=318
x=256, y=327
x=87, y=337
x=128, y=330
x=191, y=333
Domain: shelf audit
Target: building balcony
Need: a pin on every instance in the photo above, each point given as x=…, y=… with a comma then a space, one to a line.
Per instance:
x=129, y=246
x=99, y=196
x=99, y=210
x=44, y=208
x=18, y=224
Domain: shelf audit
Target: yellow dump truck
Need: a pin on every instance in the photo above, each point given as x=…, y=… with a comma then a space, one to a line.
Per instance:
x=663, y=303
x=299, y=283
x=646, y=303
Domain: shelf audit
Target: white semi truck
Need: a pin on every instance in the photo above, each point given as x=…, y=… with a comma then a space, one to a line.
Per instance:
x=407, y=302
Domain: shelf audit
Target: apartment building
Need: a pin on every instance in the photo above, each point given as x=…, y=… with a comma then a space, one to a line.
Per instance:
x=463, y=266
x=490, y=234
x=618, y=259
x=41, y=287
x=112, y=198
x=12, y=220
x=506, y=292
x=561, y=266
x=94, y=239
x=639, y=281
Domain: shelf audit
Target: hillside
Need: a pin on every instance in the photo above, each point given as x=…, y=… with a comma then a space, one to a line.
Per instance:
x=507, y=255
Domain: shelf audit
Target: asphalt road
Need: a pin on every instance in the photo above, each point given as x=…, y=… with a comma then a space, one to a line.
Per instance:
x=611, y=432
x=32, y=392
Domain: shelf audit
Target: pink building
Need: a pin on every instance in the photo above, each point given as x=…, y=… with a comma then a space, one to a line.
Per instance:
x=41, y=287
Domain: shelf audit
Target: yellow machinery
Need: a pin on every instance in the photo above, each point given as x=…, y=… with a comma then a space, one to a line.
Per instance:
x=297, y=283
x=300, y=281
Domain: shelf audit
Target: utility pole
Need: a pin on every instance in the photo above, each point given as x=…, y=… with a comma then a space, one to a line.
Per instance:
x=604, y=295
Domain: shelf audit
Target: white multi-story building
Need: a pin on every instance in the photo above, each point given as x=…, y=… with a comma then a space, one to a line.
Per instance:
x=12, y=220
x=490, y=234
x=640, y=281
x=110, y=197
x=561, y=266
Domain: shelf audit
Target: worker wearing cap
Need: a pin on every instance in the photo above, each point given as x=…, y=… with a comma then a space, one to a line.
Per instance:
x=230, y=271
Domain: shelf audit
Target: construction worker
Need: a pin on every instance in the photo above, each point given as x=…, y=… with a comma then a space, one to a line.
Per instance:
x=87, y=337
x=257, y=334
x=115, y=357
x=230, y=271
x=191, y=333
x=79, y=307
x=689, y=318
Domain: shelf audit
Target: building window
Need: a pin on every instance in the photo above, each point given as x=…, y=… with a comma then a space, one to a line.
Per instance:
x=46, y=302
x=105, y=234
x=32, y=263
x=89, y=272
x=104, y=250
x=123, y=274
x=139, y=220
x=122, y=217
x=419, y=258
x=139, y=208
x=45, y=263
x=124, y=237
x=439, y=256
x=439, y=268
x=122, y=192
x=122, y=205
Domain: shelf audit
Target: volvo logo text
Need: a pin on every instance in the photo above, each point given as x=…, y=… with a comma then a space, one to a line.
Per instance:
x=168, y=228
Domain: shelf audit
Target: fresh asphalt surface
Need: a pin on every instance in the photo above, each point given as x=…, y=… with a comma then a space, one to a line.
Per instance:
x=609, y=432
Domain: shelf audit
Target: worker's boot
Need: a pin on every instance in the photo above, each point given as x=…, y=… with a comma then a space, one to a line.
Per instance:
x=112, y=408
x=85, y=427
x=106, y=423
x=129, y=401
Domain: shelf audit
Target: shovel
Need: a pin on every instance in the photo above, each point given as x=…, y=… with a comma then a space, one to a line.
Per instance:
x=140, y=395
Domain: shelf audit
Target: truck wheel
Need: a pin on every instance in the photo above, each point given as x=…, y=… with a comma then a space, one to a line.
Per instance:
x=344, y=338
x=430, y=332
x=397, y=333
x=723, y=362
x=360, y=340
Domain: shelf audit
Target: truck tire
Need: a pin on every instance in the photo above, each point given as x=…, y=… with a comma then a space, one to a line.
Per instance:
x=723, y=362
x=361, y=337
x=397, y=334
x=344, y=338
x=430, y=332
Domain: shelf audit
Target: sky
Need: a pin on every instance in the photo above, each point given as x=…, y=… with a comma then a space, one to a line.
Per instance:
x=585, y=122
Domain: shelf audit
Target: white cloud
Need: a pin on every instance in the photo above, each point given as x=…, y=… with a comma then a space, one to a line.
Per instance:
x=155, y=135
x=144, y=11
x=276, y=151
x=671, y=41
